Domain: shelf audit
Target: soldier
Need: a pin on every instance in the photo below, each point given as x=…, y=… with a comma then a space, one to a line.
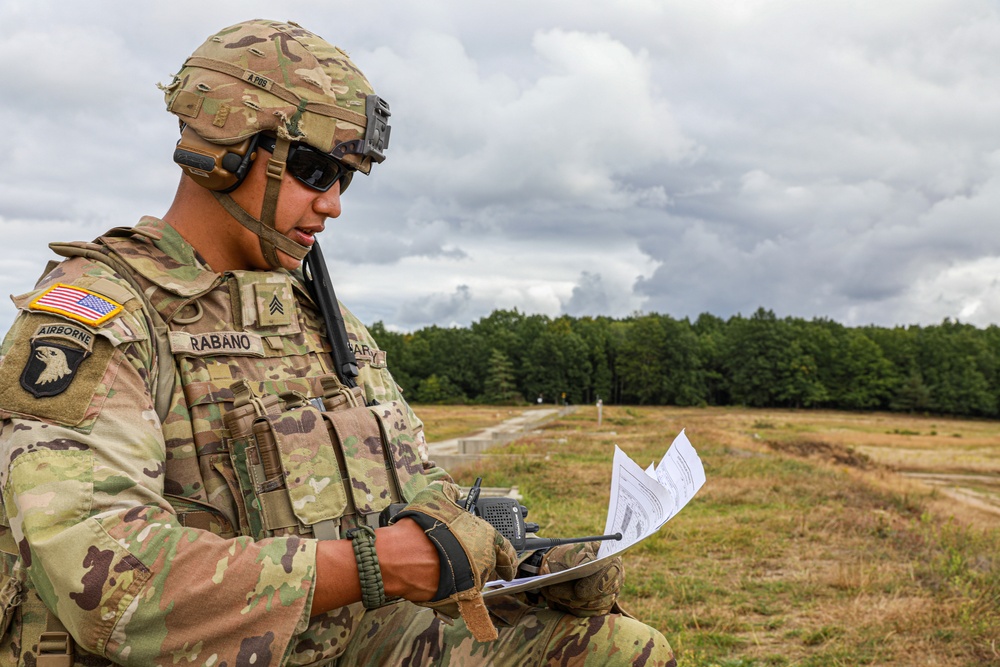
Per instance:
x=186, y=480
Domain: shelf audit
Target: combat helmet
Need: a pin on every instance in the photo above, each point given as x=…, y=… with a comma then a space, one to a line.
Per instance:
x=276, y=78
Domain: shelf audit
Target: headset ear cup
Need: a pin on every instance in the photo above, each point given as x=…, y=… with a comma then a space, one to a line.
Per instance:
x=213, y=166
x=231, y=162
x=242, y=157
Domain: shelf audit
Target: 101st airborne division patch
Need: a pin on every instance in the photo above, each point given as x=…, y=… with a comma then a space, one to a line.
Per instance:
x=52, y=363
x=57, y=350
x=50, y=368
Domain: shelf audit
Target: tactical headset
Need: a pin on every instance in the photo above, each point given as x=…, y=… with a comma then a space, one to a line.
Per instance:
x=214, y=166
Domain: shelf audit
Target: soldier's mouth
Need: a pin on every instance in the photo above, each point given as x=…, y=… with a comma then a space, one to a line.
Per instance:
x=305, y=237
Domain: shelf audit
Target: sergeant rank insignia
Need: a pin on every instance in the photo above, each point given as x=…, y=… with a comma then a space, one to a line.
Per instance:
x=77, y=304
x=52, y=364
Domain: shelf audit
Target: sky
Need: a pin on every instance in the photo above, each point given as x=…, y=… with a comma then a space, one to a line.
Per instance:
x=836, y=159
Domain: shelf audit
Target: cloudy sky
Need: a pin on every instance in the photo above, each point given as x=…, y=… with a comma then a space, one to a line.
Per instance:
x=834, y=158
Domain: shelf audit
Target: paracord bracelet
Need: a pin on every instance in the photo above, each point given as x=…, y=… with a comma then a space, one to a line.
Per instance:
x=372, y=589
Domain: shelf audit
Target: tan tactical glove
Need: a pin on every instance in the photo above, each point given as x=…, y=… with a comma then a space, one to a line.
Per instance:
x=472, y=552
x=593, y=595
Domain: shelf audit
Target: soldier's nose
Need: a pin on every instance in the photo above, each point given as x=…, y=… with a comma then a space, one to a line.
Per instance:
x=328, y=203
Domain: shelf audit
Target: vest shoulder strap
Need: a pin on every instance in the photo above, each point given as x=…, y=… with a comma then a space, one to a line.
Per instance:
x=163, y=388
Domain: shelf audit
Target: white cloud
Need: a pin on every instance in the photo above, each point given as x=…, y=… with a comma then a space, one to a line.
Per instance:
x=566, y=135
x=589, y=296
x=836, y=158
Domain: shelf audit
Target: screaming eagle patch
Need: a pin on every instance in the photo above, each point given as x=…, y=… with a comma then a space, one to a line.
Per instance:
x=51, y=368
x=53, y=371
x=56, y=353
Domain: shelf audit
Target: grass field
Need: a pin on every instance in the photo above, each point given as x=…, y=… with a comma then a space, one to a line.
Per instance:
x=807, y=546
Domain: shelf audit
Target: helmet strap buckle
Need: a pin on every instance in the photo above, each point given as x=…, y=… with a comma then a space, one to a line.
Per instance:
x=275, y=169
x=275, y=172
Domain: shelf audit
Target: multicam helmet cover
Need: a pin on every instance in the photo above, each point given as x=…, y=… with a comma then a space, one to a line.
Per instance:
x=266, y=76
x=261, y=76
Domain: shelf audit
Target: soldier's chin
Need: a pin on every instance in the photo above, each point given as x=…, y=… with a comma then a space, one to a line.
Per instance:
x=288, y=262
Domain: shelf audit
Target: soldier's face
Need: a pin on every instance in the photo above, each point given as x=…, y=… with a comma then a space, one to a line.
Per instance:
x=301, y=213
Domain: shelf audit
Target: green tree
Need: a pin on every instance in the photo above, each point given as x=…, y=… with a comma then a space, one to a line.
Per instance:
x=755, y=357
x=862, y=378
x=912, y=395
x=640, y=364
x=684, y=383
x=955, y=363
x=512, y=333
x=596, y=335
x=659, y=362
x=438, y=389
x=459, y=353
x=557, y=362
x=711, y=332
x=500, y=387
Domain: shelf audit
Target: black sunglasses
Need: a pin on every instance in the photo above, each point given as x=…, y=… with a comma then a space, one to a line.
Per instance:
x=316, y=169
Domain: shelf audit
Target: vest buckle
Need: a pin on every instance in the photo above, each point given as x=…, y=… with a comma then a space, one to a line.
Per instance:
x=55, y=649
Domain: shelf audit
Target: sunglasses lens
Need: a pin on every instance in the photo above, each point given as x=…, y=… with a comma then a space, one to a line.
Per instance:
x=318, y=171
x=314, y=169
x=345, y=179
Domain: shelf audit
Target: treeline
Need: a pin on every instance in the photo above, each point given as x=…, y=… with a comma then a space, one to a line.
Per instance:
x=758, y=361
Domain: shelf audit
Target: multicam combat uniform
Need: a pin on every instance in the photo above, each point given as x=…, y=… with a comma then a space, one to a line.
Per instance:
x=129, y=529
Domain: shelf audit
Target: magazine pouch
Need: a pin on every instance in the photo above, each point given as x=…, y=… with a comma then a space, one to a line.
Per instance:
x=306, y=469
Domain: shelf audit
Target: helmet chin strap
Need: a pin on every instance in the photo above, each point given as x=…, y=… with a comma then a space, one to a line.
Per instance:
x=270, y=240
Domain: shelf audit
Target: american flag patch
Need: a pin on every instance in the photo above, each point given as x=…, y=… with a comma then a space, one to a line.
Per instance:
x=77, y=304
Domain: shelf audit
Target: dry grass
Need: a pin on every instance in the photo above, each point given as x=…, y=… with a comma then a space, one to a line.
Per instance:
x=806, y=546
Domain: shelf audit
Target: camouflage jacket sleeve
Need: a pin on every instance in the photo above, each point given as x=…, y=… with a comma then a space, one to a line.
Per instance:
x=82, y=473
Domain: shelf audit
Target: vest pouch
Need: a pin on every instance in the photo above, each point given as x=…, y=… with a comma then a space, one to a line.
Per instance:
x=310, y=472
x=316, y=473
x=289, y=479
x=398, y=433
x=11, y=597
x=249, y=433
x=395, y=430
x=313, y=493
x=359, y=437
x=337, y=396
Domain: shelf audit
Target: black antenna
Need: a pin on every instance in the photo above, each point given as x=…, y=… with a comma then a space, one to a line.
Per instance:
x=546, y=542
x=320, y=286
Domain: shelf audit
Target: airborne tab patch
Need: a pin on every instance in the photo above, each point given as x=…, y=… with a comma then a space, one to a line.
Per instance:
x=77, y=304
x=66, y=332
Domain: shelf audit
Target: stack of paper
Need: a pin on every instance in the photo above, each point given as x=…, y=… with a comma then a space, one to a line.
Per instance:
x=641, y=502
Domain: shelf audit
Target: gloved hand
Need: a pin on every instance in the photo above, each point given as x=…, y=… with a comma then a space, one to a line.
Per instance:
x=472, y=552
x=593, y=595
